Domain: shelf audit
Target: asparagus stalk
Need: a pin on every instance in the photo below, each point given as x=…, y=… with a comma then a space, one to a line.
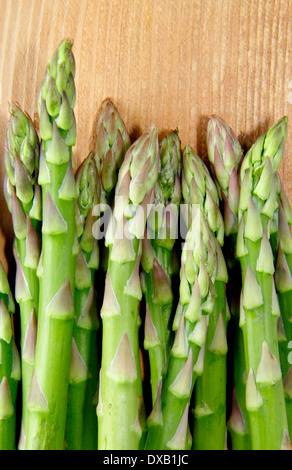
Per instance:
x=258, y=310
x=112, y=143
x=225, y=153
x=210, y=391
x=10, y=368
x=157, y=250
x=283, y=282
x=81, y=427
x=21, y=159
x=23, y=196
x=198, y=187
x=120, y=408
x=168, y=423
x=47, y=402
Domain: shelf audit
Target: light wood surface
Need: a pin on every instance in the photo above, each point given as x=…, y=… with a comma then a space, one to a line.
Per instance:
x=168, y=62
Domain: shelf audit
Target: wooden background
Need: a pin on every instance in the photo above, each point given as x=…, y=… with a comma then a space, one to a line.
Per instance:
x=168, y=62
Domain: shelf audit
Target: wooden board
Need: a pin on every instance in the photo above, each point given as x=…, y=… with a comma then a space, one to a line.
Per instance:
x=168, y=62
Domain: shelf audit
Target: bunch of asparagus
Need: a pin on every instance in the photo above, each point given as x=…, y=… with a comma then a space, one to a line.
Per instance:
x=152, y=289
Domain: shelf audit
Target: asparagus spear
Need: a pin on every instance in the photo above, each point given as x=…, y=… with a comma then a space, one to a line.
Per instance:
x=10, y=369
x=47, y=402
x=21, y=159
x=157, y=250
x=210, y=391
x=283, y=277
x=23, y=196
x=112, y=143
x=168, y=423
x=198, y=187
x=258, y=310
x=120, y=408
x=81, y=428
x=225, y=153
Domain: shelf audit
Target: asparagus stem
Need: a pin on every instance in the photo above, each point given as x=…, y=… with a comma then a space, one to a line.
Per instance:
x=121, y=396
x=283, y=271
x=10, y=369
x=225, y=153
x=209, y=428
x=157, y=248
x=23, y=197
x=47, y=403
x=210, y=392
x=112, y=143
x=168, y=426
x=238, y=420
x=258, y=317
x=81, y=427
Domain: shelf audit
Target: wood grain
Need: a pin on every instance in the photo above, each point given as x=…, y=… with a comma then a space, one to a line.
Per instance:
x=168, y=62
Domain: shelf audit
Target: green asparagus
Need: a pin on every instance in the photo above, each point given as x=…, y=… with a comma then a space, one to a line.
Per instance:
x=157, y=249
x=283, y=282
x=23, y=196
x=173, y=332
x=225, y=153
x=112, y=143
x=259, y=311
x=81, y=427
x=47, y=401
x=10, y=369
x=209, y=399
x=168, y=423
x=198, y=187
x=121, y=408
